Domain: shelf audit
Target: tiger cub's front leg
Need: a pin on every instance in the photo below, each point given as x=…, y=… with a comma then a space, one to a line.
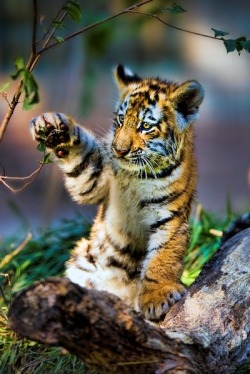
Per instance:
x=160, y=277
x=78, y=154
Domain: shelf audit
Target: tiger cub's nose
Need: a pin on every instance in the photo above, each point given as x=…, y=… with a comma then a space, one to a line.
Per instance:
x=121, y=152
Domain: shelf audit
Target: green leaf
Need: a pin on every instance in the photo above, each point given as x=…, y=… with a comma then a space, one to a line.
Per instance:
x=58, y=25
x=246, y=45
x=4, y=87
x=59, y=39
x=30, y=89
x=234, y=44
x=41, y=147
x=19, y=63
x=26, y=103
x=73, y=9
x=47, y=159
x=30, y=101
x=20, y=67
x=173, y=9
x=219, y=32
x=230, y=44
x=30, y=83
x=15, y=75
x=176, y=9
x=239, y=42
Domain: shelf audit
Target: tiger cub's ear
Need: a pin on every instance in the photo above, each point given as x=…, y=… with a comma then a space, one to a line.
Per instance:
x=186, y=100
x=124, y=77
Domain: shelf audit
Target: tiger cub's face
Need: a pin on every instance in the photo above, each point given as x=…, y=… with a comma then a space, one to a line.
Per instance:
x=152, y=120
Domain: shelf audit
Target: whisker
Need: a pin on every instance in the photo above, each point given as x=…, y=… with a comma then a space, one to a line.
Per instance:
x=154, y=162
x=143, y=170
x=147, y=161
x=138, y=162
x=144, y=163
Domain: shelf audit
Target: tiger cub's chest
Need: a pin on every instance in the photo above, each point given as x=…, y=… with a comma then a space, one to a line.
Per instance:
x=129, y=210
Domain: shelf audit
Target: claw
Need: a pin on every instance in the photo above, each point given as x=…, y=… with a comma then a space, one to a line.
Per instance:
x=156, y=304
x=63, y=127
x=49, y=126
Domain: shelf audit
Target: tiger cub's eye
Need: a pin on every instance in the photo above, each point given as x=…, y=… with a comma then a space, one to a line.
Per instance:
x=120, y=119
x=145, y=126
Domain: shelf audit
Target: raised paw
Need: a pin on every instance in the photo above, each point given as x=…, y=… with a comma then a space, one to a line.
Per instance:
x=155, y=304
x=52, y=129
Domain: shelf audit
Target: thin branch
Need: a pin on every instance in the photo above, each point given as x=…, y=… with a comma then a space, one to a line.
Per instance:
x=35, y=57
x=15, y=100
x=131, y=10
x=34, y=28
x=51, y=34
x=30, y=178
x=89, y=27
x=50, y=26
x=172, y=26
x=5, y=96
x=11, y=109
x=36, y=54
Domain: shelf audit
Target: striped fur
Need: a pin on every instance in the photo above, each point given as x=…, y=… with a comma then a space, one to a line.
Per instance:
x=143, y=176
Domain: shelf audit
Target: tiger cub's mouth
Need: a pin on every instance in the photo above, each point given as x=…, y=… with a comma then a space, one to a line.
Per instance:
x=139, y=163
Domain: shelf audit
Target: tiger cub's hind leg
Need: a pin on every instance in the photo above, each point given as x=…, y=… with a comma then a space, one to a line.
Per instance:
x=81, y=268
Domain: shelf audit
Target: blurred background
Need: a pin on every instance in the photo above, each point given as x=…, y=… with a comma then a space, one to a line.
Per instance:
x=76, y=78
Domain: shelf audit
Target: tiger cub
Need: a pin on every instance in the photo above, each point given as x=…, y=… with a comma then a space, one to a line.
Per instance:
x=143, y=175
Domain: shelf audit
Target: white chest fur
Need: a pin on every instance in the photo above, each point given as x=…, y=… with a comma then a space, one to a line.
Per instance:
x=125, y=215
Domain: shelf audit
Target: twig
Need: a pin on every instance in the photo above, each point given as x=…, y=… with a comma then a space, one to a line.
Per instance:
x=31, y=178
x=10, y=111
x=89, y=27
x=51, y=25
x=4, y=95
x=36, y=56
x=34, y=28
x=131, y=10
x=51, y=34
x=172, y=26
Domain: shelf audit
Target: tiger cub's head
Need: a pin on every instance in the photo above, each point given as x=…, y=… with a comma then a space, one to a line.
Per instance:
x=152, y=121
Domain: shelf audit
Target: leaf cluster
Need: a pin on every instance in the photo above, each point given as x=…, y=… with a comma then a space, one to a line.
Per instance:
x=232, y=45
x=29, y=86
x=73, y=10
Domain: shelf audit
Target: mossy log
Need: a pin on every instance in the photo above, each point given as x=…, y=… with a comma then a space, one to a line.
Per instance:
x=205, y=332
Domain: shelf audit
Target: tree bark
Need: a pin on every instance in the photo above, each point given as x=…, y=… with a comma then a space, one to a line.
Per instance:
x=205, y=332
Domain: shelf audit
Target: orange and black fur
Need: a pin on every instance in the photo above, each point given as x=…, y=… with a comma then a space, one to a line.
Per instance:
x=143, y=176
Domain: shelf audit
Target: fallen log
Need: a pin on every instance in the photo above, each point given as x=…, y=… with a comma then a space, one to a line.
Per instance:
x=205, y=332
